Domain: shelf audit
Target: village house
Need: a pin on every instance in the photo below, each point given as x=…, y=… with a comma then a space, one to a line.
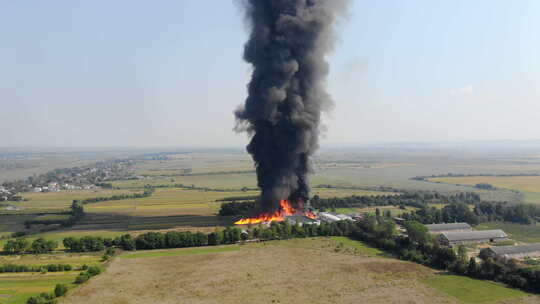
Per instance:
x=449, y=227
x=515, y=252
x=471, y=237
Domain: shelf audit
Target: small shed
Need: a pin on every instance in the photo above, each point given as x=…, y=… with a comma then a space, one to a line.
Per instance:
x=471, y=237
x=516, y=252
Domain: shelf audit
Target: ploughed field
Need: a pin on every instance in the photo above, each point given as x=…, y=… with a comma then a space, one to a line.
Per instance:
x=317, y=270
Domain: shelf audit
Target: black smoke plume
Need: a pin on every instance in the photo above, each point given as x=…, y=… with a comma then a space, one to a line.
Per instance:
x=287, y=46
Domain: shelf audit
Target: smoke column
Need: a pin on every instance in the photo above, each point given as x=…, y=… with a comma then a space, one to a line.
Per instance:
x=287, y=46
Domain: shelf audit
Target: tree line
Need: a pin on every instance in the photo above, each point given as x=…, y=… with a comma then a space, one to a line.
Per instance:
x=193, y=187
x=427, y=177
x=38, y=246
x=12, y=268
x=416, y=199
x=482, y=212
x=116, y=197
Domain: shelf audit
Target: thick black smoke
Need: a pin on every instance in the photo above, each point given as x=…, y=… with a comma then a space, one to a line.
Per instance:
x=286, y=94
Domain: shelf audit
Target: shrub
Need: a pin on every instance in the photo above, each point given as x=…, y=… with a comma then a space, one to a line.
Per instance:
x=60, y=290
x=81, y=278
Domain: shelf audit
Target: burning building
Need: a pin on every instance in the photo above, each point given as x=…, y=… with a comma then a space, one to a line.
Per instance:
x=286, y=95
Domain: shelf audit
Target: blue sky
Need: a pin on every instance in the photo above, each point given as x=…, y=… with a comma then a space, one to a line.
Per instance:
x=170, y=73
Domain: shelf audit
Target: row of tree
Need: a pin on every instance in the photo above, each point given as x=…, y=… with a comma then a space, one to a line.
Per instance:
x=426, y=177
x=40, y=245
x=482, y=212
x=416, y=199
x=33, y=268
x=230, y=235
x=116, y=197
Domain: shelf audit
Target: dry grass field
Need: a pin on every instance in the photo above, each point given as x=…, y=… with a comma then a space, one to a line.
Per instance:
x=317, y=270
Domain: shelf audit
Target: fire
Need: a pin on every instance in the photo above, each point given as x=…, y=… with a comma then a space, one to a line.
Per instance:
x=285, y=208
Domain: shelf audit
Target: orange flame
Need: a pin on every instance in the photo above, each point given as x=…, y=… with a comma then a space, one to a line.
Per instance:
x=285, y=208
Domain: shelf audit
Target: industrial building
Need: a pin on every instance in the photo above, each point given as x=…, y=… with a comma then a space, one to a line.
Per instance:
x=330, y=217
x=449, y=227
x=301, y=219
x=471, y=237
x=516, y=252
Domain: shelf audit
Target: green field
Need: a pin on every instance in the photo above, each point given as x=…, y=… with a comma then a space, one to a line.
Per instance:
x=359, y=247
x=469, y=290
x=17, y=288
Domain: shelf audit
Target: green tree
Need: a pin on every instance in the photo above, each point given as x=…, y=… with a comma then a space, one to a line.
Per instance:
x=472, y=269
x=417, y=232
x=462, y=253
x=43, y=246
x=16, y=246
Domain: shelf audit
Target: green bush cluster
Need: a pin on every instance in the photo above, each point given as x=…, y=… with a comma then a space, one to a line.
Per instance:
x=32, y=268
x=86, y=275
x=49, y=298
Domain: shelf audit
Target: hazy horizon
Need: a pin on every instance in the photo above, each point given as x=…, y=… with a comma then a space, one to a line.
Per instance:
x=136, y=74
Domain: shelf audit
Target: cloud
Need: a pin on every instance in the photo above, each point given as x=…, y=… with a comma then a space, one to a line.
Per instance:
x=463, y=91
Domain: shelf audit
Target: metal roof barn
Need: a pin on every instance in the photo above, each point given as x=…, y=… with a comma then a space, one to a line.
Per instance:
x=480, y=236
x=448, y=227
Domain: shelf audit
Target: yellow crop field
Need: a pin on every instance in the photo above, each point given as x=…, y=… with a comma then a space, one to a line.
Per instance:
x=52, y=201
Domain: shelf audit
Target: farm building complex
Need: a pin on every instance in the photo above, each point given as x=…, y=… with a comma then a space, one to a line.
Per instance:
x=470, y=237
x=516, y=252
x=450, y=227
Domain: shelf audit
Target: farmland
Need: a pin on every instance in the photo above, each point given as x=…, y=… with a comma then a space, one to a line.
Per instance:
x=317, y=270
x=16, y=288
x=166, y=208
x=187, y=194
x=528, y=185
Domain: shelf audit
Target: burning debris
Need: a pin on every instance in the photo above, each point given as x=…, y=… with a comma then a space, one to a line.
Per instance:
x=286, y=95
x=285, y=210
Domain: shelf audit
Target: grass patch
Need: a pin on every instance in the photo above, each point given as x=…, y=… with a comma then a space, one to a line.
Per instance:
x=178, y=252
x=361, y=247
x=470, y=290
